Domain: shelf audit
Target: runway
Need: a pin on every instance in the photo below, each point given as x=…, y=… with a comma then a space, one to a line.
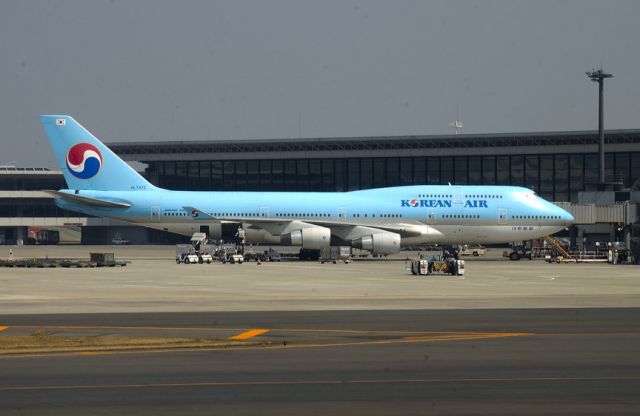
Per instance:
x=560, y=361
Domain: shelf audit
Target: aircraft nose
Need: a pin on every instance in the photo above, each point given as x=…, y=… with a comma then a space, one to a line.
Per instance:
x=567, y=217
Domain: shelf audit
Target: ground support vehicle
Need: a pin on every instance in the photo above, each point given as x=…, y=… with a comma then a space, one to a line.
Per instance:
x=335, y=254
x=236, y=258
x=186, y=255
x=437, y=265
x=270, y=255
x=227, y=253
x=309, y=255
x=105, y=260
x=518, y=251
x=231, y=258
x=196, y=252
x=474, y=251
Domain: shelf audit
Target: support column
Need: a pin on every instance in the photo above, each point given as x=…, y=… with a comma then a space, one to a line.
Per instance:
x=580, y=237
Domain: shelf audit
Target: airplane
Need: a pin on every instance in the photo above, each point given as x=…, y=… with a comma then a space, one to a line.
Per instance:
x=379, y=220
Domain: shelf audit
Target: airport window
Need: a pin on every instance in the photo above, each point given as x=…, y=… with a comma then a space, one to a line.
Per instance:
x=290, y=174
x=328, y=181
x=546, y=175
x=446, y=170
x=419, y=170
x=621, y=167
x=634, y=167
x=502, y=170
x=433, y=171
x=531, y=172
x=591, y=173
x=353, y=174
x=253, y=175
x=229, y=182
x=406, y=171
x=475, y=170
x=488, y=170
x=366, y=173
x=576, y=175
x=379, y=173
x=517, y=170
x=339, y=170
x=216, y=175
x=561, y=178
x=241, y=174
x=277, y=175
x=460, y=170
x=393, y=171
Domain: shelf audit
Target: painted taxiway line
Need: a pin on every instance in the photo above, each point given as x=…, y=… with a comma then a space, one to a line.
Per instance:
x=248, y=334
x=236, y=329
x=462, y=336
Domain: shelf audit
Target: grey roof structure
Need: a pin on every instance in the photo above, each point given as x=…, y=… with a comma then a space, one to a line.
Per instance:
x=540, y=142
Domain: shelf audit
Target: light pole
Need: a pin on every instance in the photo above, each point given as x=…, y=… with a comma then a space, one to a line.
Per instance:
x=599, y=76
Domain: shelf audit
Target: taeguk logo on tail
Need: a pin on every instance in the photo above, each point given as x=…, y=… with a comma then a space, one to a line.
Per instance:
x=84, y=160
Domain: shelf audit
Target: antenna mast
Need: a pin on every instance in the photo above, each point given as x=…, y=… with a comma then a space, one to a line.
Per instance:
x=457, y=124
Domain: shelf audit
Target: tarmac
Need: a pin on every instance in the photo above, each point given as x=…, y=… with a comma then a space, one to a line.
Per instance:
x=472, y=362
x=153, y=282
x=157, y=338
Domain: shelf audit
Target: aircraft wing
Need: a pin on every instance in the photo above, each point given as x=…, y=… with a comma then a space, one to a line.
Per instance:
x=277, y=226
x=86, y=200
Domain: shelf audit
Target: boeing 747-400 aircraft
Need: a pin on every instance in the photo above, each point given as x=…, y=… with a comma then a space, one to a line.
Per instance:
x=379, y=220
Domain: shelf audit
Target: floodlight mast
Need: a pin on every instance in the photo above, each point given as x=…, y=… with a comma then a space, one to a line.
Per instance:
x=599, y=76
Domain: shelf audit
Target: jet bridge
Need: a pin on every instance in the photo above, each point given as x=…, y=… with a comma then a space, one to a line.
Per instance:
x=600, y=218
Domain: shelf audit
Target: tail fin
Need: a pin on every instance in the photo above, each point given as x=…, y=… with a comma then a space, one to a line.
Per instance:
x=87, y=163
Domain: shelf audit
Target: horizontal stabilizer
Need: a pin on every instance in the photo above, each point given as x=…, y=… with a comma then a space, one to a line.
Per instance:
x=86, y=200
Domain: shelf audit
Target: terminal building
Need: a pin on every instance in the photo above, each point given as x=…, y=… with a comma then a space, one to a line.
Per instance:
x=560, y=166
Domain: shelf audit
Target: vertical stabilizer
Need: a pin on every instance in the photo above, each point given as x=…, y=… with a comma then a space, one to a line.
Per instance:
x=86, y=163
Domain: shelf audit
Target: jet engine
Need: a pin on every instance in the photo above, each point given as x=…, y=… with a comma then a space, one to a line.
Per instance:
x=379, y=243
x=312, y=238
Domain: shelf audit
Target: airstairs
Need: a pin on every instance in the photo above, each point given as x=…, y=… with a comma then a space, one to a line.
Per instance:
x=556, y=244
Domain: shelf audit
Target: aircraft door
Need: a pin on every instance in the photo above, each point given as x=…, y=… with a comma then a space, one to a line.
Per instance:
x=155, y=214
x=264, y=212
x=342, y=214
x=502, y=216
x=458, y=197
x=431, y=216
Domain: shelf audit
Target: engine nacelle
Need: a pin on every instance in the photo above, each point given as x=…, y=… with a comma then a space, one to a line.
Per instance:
x=312, y=238
x=379, y=243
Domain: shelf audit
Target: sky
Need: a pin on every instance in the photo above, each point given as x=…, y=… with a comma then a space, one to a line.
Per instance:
x=157, y=70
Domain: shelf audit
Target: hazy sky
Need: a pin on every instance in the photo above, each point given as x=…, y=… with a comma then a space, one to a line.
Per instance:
x=197, y=70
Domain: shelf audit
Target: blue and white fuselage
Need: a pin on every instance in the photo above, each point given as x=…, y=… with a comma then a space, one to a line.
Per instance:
x=380, y=220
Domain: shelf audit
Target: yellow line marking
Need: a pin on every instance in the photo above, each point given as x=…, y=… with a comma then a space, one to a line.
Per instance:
x=2, y=328
x=249, y=334
x=408, y=340
x=224, y=383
